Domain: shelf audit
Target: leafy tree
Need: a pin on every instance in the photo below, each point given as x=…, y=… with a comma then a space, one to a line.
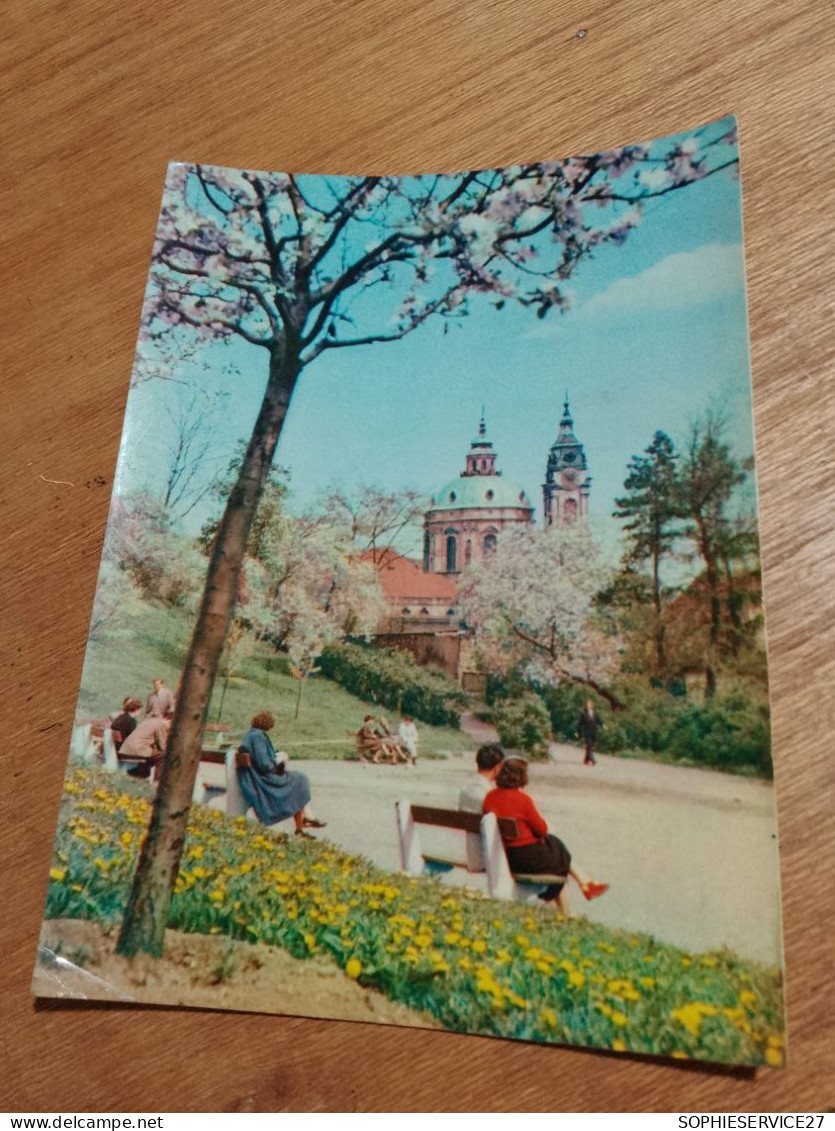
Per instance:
x=165, y=565
x=117, y=608
x=709, y=474
x=533, y=605
x=523, y=723
x=650, y=509
x=285, y=264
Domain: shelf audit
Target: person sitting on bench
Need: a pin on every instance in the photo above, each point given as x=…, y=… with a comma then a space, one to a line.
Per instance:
x=274, y=792
x=534, y=850
x=488, y=759
x=145, y=745
x=125, y=723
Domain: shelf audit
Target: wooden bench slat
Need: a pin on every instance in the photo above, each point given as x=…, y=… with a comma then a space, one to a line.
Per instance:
x=456, y=819
x=214, y=757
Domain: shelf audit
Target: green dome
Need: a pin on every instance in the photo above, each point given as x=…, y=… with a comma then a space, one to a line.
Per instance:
x=479, y=491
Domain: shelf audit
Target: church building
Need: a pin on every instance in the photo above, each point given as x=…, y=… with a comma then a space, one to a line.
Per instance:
x=464, y=524
x=468, y=515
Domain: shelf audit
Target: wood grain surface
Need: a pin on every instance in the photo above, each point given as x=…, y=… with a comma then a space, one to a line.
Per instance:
x=97, y=97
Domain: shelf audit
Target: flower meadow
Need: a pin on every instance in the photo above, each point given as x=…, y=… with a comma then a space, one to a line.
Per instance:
x=477, y=965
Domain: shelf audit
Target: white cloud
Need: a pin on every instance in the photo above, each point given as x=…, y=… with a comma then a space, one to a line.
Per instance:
x=687, y=278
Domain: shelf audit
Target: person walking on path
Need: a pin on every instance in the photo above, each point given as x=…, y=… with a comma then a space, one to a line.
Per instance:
x=274, y=792
x=587, y=726
x=160, y=702
x=534, y=850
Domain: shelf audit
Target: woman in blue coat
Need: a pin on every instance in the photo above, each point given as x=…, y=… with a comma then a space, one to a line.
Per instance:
x=273, y=792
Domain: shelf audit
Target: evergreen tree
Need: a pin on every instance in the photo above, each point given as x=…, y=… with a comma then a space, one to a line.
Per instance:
x=651, y=508
x=709, y=474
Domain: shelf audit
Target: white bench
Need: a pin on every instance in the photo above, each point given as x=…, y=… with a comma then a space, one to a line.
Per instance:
x=418, y=854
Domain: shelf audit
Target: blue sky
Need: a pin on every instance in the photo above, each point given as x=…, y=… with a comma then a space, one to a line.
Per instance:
x=656, y=335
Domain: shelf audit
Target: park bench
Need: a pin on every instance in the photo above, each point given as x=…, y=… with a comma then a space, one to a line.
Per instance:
x=92, y=741
x=419, y=856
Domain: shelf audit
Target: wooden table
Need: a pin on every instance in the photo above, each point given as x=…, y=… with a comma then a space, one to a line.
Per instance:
x=99, y=97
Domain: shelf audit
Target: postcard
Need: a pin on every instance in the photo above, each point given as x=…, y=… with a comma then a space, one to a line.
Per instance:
x=426, y=676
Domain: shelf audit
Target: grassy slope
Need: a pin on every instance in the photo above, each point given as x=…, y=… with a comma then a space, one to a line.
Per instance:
x=116, y=668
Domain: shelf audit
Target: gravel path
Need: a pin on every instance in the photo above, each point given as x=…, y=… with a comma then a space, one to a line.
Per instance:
x=691, y=855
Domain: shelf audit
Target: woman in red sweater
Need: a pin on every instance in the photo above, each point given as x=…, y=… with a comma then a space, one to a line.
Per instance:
x=534, y=849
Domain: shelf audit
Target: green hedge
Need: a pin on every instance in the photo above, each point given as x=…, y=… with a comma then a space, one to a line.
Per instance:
x=524, y=724
x=394, y=680
x=728, y=732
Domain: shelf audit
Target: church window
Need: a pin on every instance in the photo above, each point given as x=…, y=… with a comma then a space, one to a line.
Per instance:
x=451, y=548
x=468, y=552
x=425, y=611
x=569, y=512
x=406, y=611
x=426, y=552
x=489, y=544
x=490, y=494
x=452, y=496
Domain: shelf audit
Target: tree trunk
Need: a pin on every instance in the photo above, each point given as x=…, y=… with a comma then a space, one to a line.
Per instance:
x=146, y=915
x=299, y=696
x=712, y=577
x=660, y=657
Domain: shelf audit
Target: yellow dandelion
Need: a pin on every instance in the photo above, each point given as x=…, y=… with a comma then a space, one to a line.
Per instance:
x=619, y=1045
x=549, y=1018
x=479, y=946
x=618, y=1018
x=217, y=895
x=353, y=968
x=774, y=1057
x=58, y=874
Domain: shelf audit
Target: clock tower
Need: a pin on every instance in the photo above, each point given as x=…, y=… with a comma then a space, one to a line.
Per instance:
x=565, y=492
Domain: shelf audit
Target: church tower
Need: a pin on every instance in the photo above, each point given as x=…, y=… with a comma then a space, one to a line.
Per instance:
x=565, y=492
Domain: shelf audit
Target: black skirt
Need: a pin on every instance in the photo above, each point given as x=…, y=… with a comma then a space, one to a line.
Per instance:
x=549, y=856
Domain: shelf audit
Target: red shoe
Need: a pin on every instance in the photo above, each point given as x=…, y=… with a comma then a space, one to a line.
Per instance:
x=592, y=890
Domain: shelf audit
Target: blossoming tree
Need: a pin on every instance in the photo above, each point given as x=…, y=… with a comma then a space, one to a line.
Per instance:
x=532, y=605
x=286, y=264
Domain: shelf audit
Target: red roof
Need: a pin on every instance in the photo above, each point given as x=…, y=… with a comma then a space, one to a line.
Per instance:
x=403, y=580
